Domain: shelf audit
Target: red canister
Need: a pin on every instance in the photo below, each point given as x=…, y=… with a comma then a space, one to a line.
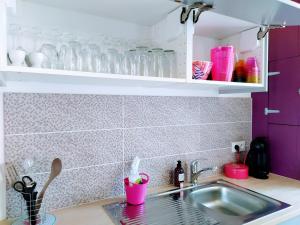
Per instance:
x=236, y=171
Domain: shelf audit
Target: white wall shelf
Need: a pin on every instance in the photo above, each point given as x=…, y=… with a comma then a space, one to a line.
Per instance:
x=27, y=79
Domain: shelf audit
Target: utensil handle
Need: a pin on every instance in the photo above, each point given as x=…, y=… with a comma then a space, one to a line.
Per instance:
x=30, y=199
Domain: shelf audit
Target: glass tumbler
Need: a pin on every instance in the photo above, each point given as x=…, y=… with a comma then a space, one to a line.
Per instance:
x=86, y=59
x=113, y=61
x=150, y=59
x=95, y=58
x=74, y=55
x=51, y=55
x=64, y=56
x=14, y=32
x=133, y=62
x=142, y=61
x=127, y=63
x=104, y=63
x=170, y=65
x=158, y=68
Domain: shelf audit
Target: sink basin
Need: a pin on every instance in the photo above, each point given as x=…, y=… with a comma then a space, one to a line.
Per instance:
x=213, y=203
x=233, y=200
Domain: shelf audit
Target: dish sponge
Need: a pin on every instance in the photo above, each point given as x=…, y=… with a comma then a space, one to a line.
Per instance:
x=134, y=176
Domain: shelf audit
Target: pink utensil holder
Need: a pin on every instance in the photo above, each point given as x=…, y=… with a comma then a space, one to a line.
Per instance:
x=222, y=58
x=136, y=193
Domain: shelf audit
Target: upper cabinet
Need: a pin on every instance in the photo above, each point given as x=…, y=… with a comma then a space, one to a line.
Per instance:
x=284, y=43
x=137, y=46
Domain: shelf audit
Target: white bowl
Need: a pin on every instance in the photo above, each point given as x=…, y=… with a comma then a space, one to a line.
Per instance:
x=36, y=59
x=17, y=57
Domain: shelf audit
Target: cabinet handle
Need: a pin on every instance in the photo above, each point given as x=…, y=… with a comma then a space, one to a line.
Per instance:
x=270, y=74
x=271, y=111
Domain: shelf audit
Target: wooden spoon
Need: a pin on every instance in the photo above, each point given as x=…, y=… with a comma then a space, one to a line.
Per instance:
x=56, y=168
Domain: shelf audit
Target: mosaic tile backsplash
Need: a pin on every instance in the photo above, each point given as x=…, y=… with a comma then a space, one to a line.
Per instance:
x=97, y=136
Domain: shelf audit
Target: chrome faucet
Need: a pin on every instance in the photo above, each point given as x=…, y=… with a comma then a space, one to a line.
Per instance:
x=196, y=172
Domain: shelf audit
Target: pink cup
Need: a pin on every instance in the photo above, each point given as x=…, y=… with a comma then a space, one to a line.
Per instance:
x=136, y=193
x=251, y=64
x=222, y=58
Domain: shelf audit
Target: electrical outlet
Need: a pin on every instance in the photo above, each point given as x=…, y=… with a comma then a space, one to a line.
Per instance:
x=241, y=144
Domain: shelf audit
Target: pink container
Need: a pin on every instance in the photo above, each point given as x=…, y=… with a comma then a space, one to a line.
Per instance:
x=252, y=70
x=201, y=69
x=236, y=171
x=136, y=193
x=222, y=58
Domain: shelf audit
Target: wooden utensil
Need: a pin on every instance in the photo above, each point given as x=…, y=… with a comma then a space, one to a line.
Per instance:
x=12, y=174
x=56, y=168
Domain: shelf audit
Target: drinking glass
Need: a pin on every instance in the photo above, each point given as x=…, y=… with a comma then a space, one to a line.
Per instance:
x=142, y=62
x=150, y=62
x=132, y=61
x=158, y=67
x=126, y=63
x=64, y=55
x=74, y=55
x=14, y=31
x=122, y=64
x=95, y=58
x=166, y=65
x=86, y=59
x=113, y=61
x=51, y=56
x=104, y=63
x=171, y=63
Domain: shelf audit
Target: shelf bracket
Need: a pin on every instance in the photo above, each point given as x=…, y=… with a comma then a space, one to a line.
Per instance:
x=197, y=8
x=264, y=29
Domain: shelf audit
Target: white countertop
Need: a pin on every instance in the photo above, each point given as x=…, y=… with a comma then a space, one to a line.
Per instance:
x=278, y=187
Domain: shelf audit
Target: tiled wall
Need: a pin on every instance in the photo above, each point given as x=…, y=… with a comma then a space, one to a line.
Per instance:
x=97, y=136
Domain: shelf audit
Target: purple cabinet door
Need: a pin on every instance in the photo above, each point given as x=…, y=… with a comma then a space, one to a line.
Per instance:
x=260, y=124
x=284, y=43
x=284, y=150
x=284, y=91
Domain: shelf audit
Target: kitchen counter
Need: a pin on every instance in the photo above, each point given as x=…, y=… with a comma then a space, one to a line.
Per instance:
x=278, y=187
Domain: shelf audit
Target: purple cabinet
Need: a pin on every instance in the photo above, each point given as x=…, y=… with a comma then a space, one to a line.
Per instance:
x=284, y=92
x=282, y=129
x=284, y=43
x=284, y=150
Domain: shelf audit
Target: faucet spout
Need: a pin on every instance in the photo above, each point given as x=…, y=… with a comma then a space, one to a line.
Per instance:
x=196, y=172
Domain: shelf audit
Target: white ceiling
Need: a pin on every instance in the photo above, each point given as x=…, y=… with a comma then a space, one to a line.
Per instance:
x=143, y=12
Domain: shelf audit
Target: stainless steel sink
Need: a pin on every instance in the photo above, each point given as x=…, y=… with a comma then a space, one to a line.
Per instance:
x=217, y=202
x=233, y=201
x=229, y=200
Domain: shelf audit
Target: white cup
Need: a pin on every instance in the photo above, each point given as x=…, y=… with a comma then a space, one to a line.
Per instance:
x=36, y=59
x=17, y=57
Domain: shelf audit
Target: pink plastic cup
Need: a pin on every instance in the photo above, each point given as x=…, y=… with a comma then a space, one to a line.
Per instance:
x=222, y=58
x=136, y=193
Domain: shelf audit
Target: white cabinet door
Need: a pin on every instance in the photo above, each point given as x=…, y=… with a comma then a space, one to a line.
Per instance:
x=262, y=12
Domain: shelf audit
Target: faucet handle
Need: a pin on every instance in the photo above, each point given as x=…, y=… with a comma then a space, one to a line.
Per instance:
x=195, y=166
